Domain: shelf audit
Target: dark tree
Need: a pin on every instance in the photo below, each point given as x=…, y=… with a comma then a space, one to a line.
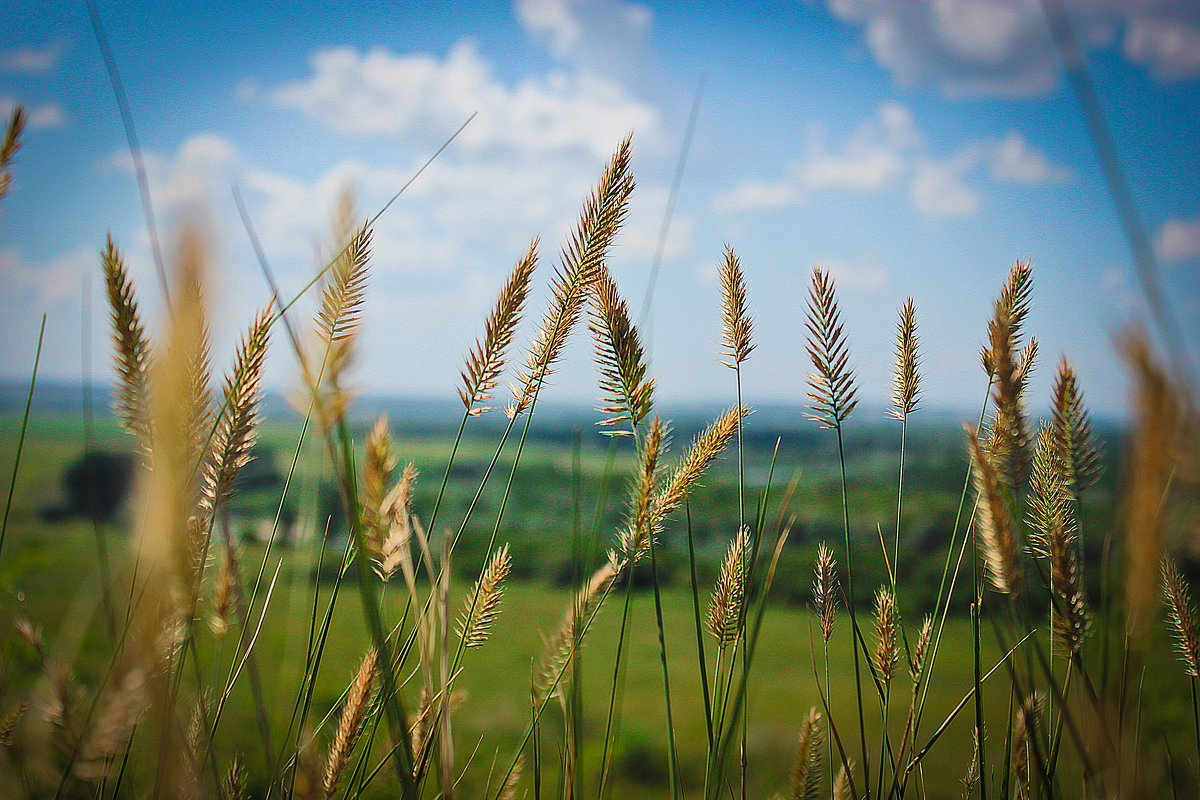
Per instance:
x=97, y=484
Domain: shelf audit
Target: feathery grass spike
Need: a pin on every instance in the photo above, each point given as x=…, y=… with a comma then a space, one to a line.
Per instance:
x=397, y=519
x=832, y=381
x=643, y=521
x=602, y=216
x=483, y=601
x=992, y=522
x=737, y=326
x=378, y=464
x=486, y=360
x=132, y=345
x=626, y=392
x=12, y=143
x=917, y=666
x=825, y=590
x=887, y=622
x=906, y=381
x=724, y=608
x=1014, y=301
x=350, y=724
x=1073, y=430
x=235, y=433
x=708, y=446
x=341, y=302
x=565, y=643
x=1182, y=614
x=806, y=773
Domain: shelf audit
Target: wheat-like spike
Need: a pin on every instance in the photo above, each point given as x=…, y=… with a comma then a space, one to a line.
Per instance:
x=626, y=393
x=350, y=723
x=724, y=619
x=233, y=787
x=131, y=343
x=125, y=703
x=916, y=667
x=992, y=522
x=486, y=359
x=422, y=725
x=1014, y=300
x=643, y=521
x=235, y=433
x=825, y=590
x=9, y=722
x=906, y=381
x=887, y=623
x=566, y=641
x=12, y=143
x=483, y=601
x=509, y=792
x=708, y=446
x=222, y=602
x=1046, y=490
x=1025, y=729
x=806, y=772
x=379, y=462
x=397, y=517
x=1073, y=430
x=971, y=778
x=832, y=383
x=345, y=289
x=602, y=216
x=737, y=325
x=841, y=784
x=1182, y=614
x=1009, y=433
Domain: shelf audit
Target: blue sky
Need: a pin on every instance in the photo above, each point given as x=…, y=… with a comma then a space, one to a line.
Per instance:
x=914, y=149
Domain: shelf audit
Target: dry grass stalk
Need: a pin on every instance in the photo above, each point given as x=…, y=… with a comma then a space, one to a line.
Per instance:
x=379, y=462
x=131, y=346
x=486, y=359
x=509, y=792
x=916, y=667
x=1026, y=728
x=1009, y=432
x=832, y=383
x=396, y=515
x=825, y=590
x=1073, y=431
x=1151, y=460
x=222, y=601
x=345, y=289
x=350, y=724
x=582, y=259
x=906, y=381
x=887, y=643
x=9, y=723
x=992, y=521
x=724, y=619
x=566, y=641
x=483, y=602
x=643, y=521
x=233, y=787
x=235, y=432
x=841, y=784
x=626, y=393
x=806, y=772
x=1182, y=614
x=123, y=707
x=971, y=778
x=737, y=326
x=708, y=446
x=12, y=143
x=1013, y=302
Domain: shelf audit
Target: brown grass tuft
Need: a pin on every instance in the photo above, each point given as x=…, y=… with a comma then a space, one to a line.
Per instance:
x=806, y=772
x=832, y=383
x=737, y=326
x=483, y=602
x=350, y=724
x=397, y=519
x=724, y=619
x=825, y=590
x=486, y=359
x=626, y=393
x=582, y=259
x=992, y=521
x=906, y=381
x=887, y=642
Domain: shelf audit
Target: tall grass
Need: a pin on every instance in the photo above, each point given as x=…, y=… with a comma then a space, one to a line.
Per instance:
x=154, y=718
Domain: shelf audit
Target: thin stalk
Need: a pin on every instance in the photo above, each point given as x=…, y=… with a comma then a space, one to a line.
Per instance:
x=862, y=729
x=708, y=714
x=983, y=775
x=672, y=766
x=12, y=486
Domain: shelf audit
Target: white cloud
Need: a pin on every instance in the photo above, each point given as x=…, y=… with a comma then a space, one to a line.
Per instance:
x=1178, y=239
x=866, y=277
x=938, y=188
x=45, y=115
x=609, y=36
x=757, y=195
x=1015, y=160
x=45, y=284
x=1004, y=47
x=421, y=98
x=32, y=59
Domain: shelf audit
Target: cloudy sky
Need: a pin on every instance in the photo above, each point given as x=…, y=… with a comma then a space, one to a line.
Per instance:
x=913, y=149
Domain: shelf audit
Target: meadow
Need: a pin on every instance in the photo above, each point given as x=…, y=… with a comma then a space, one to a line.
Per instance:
x=498, y=608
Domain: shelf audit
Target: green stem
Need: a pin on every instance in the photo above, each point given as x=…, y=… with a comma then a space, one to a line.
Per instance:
x=862, y=728
x=12, y=486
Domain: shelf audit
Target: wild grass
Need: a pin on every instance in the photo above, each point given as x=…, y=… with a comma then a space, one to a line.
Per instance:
x=147, y=709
